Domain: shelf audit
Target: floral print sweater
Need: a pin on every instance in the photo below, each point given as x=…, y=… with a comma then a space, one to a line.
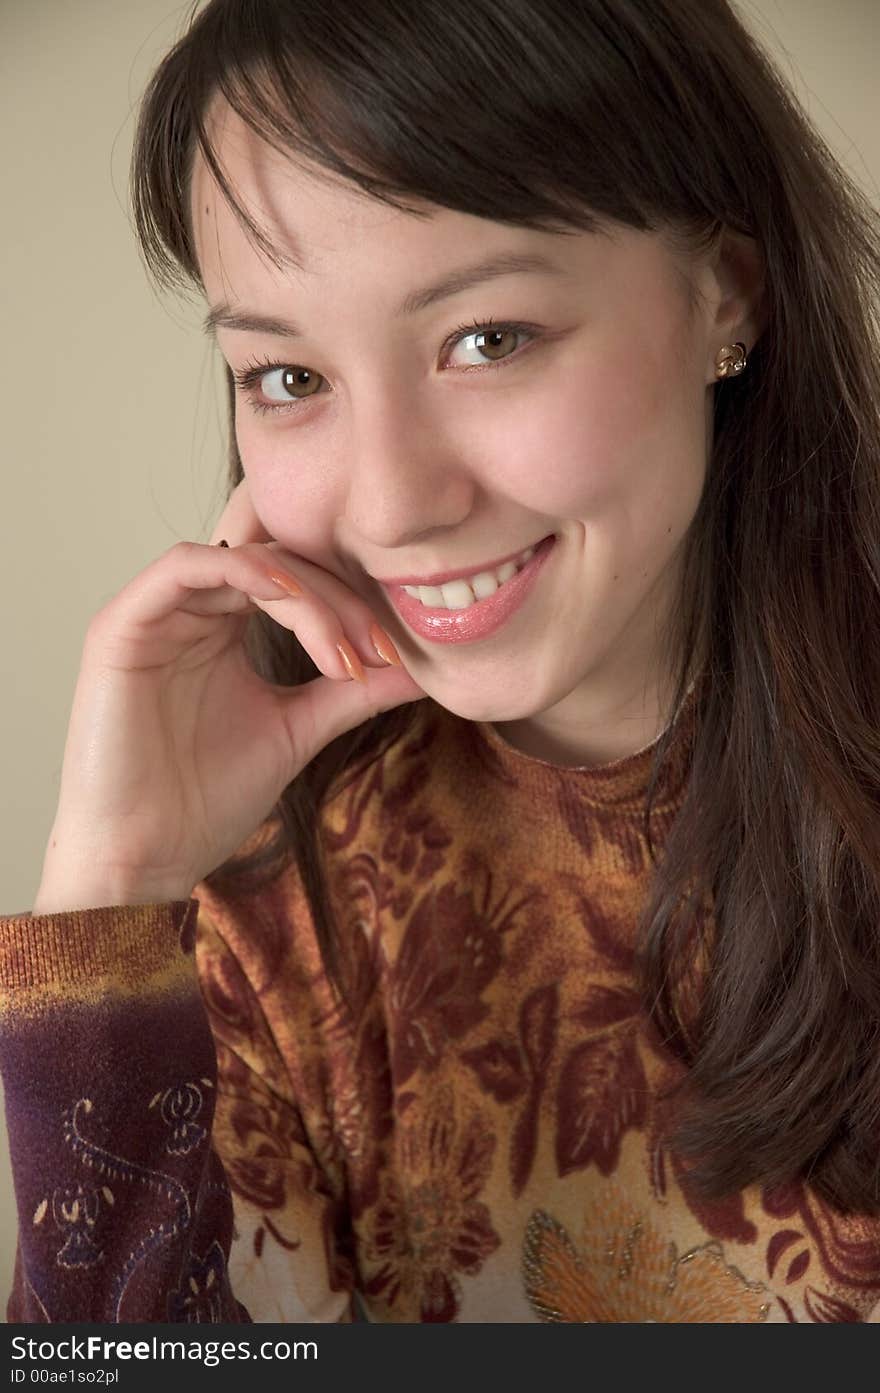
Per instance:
x=200, y=1132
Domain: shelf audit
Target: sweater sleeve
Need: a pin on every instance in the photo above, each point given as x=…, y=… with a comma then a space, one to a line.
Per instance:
x=126, y=1121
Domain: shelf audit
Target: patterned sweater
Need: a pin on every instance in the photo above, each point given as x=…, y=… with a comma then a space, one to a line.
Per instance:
x=198, y=1132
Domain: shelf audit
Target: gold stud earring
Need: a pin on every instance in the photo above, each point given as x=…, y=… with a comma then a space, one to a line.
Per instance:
x=731, y=360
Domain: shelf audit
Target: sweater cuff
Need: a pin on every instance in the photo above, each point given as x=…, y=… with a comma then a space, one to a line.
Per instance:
x=127, y=944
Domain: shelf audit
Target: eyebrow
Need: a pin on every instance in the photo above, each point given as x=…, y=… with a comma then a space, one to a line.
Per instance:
x=223, y=316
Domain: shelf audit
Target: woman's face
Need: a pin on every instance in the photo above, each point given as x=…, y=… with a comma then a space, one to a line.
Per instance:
x=412, y=446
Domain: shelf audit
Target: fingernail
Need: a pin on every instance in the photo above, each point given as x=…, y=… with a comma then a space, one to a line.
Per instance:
x=286, y=582
x=384, y=647
x=353, y=664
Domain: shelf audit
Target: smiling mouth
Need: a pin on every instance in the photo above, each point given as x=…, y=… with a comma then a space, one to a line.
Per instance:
x=454, y=613
x=467, y=574
x=465, y=591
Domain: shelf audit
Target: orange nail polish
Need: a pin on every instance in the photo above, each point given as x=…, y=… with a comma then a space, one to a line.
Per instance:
x=286, y=582
x=384, y=647
x=353, y=664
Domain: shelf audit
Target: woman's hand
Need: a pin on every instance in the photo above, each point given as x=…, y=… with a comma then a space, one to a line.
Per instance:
x=176, y=749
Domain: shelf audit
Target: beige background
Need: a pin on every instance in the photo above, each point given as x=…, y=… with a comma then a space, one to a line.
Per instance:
x=112, y=417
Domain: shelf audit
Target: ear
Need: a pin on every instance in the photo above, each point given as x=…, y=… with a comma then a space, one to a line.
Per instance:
x=739, y=270
x=238, y=523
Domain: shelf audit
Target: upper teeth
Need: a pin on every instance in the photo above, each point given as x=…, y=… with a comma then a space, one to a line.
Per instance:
x=458, y=594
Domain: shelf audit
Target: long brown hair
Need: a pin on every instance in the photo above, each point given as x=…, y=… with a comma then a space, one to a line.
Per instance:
x=654, y=113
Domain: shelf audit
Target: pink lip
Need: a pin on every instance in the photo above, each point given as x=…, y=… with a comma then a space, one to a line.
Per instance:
x=440, y=577
x=480, y=619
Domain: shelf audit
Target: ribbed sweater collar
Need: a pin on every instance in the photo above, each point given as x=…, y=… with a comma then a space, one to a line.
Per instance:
x=621, y=784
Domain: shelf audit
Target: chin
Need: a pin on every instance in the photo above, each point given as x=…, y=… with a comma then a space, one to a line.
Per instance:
x=484, y=707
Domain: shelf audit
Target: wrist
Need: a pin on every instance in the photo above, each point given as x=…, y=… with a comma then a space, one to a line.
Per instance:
x=63, y=894
x=77, y=880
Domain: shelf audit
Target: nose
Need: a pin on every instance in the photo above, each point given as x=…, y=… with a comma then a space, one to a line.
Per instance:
x=407, y=477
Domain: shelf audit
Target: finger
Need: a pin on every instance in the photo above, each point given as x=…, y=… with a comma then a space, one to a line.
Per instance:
x=239, y=523
x=372, y=642
x=193, y=579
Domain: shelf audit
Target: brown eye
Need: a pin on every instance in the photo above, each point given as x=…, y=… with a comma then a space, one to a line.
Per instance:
x=284, y=384
x=495, y=342
x=488, y=343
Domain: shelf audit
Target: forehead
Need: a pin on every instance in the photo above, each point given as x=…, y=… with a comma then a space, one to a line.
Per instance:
x=327, y=232
x=309, y=215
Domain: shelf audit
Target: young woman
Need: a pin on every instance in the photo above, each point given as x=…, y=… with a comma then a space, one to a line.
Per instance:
x=462, y=902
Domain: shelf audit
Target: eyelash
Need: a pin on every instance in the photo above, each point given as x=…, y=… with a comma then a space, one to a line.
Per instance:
x=248, y=378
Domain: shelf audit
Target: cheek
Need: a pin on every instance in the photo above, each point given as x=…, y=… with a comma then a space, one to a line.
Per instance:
x=288, y=488
x=606, y=431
